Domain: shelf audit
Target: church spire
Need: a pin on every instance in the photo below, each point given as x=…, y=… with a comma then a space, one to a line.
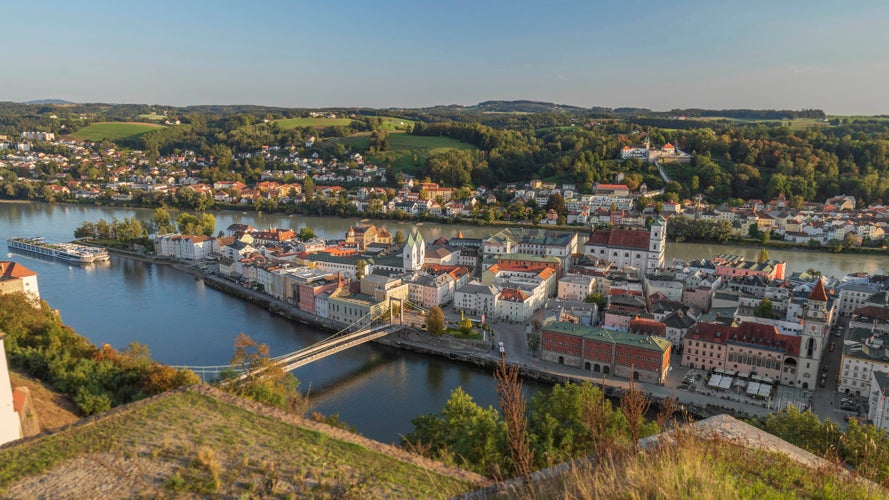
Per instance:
x=818, y=293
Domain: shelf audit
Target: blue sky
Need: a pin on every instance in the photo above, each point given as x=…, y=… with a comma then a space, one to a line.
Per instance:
x=660, y=55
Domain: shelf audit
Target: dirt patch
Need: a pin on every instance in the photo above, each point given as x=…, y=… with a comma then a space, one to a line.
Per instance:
x=54, y=409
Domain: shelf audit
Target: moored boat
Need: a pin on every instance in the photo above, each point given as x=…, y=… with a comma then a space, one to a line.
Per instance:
x=69, y=252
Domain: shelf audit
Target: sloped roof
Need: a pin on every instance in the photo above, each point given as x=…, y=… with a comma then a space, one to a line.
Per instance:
x=760, y=335
x=14, y=270
x=818, y=293
x=621, y=238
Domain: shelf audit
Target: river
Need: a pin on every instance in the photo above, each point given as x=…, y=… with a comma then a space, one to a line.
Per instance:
x=374, y=388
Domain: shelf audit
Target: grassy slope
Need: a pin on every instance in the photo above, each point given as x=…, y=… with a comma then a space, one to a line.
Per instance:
x=188, y=442
x=403, y=149
x=702, y=468
x=114, y=130
x=54, y=409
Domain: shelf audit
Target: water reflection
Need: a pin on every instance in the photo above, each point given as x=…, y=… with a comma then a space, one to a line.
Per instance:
x=434, y=377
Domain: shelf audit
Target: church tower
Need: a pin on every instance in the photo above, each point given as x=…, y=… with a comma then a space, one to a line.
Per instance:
x=414, y=252
x=815, y=329
x=657, y=243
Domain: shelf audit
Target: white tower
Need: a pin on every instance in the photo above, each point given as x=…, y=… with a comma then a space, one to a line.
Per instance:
x=10, y=423
x=815, y=329
x=657, y=243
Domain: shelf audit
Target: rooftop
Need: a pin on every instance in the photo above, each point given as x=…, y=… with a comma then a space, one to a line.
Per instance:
x=610, y=336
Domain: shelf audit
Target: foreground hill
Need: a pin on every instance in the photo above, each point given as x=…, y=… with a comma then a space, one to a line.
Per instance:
x=720, y=457
x=201, y=441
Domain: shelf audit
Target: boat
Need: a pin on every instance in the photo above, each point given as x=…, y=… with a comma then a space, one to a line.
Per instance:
x=69, y=252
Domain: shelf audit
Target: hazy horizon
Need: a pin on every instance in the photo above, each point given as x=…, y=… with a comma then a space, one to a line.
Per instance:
x=686, y=54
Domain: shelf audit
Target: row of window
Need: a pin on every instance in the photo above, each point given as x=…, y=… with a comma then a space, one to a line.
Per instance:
x=746, y=359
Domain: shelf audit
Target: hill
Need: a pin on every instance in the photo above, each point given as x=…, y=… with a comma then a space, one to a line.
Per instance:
x=522, y=106
x=48, y=101
x=407, y=153
x=114, y=131
x=716, y=458
x=201, y=441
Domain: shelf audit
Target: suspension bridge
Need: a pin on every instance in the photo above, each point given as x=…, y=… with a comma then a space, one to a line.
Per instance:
x=360, y=331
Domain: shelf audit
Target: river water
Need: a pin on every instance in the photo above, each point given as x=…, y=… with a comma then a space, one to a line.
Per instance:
x=374, y=388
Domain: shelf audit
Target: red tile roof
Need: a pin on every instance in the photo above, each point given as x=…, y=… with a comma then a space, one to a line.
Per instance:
x=763, y=336
x=11, y=270
x=513, y=295
x=818, y=293
x=622, y=238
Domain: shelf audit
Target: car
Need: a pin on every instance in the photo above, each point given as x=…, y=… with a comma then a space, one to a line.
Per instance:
x=825, y=368
x=683, y=387
x=502, y=349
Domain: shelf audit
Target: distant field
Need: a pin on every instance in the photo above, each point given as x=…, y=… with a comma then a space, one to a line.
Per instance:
x=796, y=124
x=404, y=148
x=395, y=123
x=313, y=122
x=152, y=117
x=114, y=130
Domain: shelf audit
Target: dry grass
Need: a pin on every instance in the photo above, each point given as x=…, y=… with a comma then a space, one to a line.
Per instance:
x=191, y=444
x=696, y=466
x=54, y=409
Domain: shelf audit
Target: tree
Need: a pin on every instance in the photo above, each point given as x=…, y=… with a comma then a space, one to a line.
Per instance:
x=764, y=309
x=557, y=203
x=399, y=237
x=207, y=223
x=465, y=326
x=463, y=433
x=306, y=233
x=163, y=222
x=265, y=380
x=435, y=321
x=512, y=405
x=634, y=404
x=360, y=267
x=309, y=189
x=763, y=256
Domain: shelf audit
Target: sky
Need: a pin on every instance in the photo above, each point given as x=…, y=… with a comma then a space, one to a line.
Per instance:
x=782, y=54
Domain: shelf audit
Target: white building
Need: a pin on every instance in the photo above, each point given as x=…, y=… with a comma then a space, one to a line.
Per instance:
x=514, y=305
x=863, y=354
x=15, y=277
x=576, y=287
x=476, y=298
x=10, y=422
x=878, y=410
x=183, y=247
x=630, y=248
x=854, y=295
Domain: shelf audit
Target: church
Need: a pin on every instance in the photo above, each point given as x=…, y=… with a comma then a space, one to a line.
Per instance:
x=639, y=249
